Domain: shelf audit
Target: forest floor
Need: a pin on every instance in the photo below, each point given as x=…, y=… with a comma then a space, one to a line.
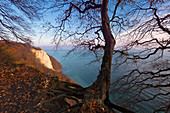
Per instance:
x=21, y=89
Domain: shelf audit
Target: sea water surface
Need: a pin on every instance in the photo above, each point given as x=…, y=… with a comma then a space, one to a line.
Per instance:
x=77, y=67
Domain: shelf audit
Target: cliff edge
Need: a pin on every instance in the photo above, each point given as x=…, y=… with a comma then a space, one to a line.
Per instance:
x=56, y=65
x=26, y=74
x=19, y=53
x=43, y=57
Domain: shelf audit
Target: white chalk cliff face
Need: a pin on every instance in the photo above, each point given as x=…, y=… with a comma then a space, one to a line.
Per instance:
x=44, y=58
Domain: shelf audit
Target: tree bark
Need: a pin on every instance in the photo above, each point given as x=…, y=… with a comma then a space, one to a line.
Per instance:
x=102, y=84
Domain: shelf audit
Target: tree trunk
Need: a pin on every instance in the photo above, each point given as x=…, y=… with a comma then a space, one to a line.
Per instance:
x=102, y=84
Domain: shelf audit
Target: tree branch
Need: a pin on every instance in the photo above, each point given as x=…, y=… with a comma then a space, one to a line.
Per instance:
x=114, y=13
x=159, y=22
x=86, y=8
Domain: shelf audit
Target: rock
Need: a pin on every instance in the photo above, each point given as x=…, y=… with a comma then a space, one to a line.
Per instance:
x=43, y=57
x=56, y=65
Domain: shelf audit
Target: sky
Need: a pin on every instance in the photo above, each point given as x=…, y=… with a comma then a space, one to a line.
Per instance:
x=47, y=38
x=45, y=41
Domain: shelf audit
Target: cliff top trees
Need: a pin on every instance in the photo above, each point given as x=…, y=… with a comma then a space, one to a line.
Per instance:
x=97, y=24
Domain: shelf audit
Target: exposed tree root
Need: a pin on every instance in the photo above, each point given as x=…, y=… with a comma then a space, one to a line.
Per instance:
x=78, y=99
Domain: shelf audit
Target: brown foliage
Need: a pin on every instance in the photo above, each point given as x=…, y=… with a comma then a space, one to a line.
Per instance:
x=19, y=53
x=21, y=89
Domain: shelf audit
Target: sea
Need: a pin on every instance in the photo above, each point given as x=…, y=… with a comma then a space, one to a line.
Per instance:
x=76, y=66
x=82, y=68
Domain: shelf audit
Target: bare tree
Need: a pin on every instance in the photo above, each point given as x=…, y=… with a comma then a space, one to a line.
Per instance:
x=96, y=24
x=148, y=81
x=14, y=25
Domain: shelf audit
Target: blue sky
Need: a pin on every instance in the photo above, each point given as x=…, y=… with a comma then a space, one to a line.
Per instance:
x=46, y=39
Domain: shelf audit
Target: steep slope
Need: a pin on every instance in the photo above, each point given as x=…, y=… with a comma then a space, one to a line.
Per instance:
x=25, y=74
x=56, y=65
x=19, y=53
x=22, y=90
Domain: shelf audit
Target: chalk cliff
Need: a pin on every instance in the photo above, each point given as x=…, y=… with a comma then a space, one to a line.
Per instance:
x=43, y=57
x=47, y=60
